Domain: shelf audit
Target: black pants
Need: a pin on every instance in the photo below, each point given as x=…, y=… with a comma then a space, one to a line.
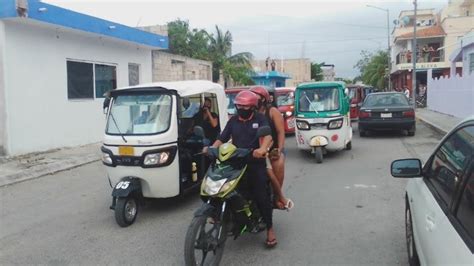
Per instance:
x=258, y=182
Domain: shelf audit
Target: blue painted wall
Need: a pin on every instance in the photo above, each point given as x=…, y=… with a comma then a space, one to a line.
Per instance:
x=70, y=19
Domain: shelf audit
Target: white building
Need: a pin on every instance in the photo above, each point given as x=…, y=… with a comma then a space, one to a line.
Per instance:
x=55, y=66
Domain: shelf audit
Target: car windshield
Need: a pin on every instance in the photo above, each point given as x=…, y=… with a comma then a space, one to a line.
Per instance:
x=231, y=106
x=386, y=100
x=287, y=98
x=139, y=114
x=320, y=99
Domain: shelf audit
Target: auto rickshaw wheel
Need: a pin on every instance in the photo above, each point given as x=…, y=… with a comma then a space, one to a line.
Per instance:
x=318, y=154
x=349, y=145
x=126, y=210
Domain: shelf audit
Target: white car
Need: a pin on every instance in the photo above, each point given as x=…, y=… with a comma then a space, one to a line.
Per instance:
x=439, y=212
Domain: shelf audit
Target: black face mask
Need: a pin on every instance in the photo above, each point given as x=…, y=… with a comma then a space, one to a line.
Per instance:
x=244, y=114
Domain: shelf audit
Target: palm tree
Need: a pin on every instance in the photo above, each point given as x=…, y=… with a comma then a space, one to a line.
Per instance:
x=235, y=67
x=374, y=72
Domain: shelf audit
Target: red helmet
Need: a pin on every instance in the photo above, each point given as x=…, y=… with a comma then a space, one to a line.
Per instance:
x=246, y=98
x=262, y=92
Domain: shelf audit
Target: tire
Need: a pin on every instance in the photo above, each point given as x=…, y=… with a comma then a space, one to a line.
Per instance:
x=411, y=132
x=318, y=154
x=362, y=133
x=126, y=210
x=413, y=259
x=191, y=239
x=349, y=146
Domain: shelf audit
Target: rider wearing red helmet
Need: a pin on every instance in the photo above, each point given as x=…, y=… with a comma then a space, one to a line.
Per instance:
x=242, y=128
x=276, y=165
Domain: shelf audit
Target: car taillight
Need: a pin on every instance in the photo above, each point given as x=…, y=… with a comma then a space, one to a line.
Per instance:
x=409, y=114
x=363, y=114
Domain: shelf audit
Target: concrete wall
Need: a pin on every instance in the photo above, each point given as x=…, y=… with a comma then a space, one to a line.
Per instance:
x=453, y=96
x=298, y=69
x=171, y=67
x=40, y=116
x=156, y=29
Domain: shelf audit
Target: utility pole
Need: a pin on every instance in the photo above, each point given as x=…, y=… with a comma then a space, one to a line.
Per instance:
x=389, y=86
x=414, y=57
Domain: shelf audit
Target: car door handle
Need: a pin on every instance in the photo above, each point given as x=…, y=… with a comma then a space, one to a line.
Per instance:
x=430, y=224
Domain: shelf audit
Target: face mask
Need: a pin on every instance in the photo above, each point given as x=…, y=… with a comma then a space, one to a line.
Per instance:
x=244, y=113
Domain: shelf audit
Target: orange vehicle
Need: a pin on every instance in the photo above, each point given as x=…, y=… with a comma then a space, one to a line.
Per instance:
x=230, y=93
x=285, y=101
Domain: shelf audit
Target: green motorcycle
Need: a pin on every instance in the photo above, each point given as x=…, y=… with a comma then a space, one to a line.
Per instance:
x=227, y=209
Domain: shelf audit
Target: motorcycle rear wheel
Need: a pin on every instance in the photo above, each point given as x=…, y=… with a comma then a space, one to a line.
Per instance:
x=202, y=237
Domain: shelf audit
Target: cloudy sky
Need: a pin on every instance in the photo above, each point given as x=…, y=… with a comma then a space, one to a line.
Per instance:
x=331, y=31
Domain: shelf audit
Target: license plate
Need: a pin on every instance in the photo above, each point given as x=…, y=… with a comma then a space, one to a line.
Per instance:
x=291, y=123
x=386, y=115
x=126, y=151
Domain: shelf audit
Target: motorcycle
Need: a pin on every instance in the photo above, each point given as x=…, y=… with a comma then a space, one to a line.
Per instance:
x=227, y=209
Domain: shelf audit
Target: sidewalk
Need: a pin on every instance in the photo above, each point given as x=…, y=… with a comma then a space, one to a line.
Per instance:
x=437, y=121
x=34, y=165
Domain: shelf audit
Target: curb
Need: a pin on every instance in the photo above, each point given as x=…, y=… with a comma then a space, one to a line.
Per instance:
x=49, y=170
x=432, y=125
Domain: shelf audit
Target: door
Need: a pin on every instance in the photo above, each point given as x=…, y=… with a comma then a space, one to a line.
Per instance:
x=433, y=201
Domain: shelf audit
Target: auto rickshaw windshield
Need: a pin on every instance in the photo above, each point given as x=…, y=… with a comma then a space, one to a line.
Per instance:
x=231, y=107
x=139, y=114
x=319, y=100
x=284, y=99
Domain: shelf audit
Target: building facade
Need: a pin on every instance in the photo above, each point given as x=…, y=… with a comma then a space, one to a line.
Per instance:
x=55, y=66
x=437, y=34
x=298, y=70
x=172, y=67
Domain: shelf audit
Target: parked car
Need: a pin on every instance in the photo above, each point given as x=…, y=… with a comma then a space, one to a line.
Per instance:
x=439, y=208
x=386, y=110
x=285, y=101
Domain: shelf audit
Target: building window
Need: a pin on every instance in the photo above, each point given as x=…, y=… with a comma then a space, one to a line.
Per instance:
x=471, y=63
x=133, y=74
x=89, y=80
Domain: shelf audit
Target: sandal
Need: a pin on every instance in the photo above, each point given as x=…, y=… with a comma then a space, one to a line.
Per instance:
x=271, y=243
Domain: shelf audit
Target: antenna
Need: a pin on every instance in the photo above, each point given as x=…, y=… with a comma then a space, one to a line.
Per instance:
x=139, y=20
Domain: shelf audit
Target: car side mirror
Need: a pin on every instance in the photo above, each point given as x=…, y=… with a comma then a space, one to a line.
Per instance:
x=264, y=131
x=105, y=105
x=198, y=131
x=406, y=168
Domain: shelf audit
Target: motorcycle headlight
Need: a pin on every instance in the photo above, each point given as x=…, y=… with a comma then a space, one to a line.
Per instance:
x=156, y=158
x=227, y=186
x=106, y=158
x=335, y=124
x=303, y=125
x=288, y=113
x=212, y=187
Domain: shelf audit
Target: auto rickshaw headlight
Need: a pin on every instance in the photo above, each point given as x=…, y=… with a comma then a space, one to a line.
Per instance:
x=106, y=158
x=303, y=125
x=288, y=113
x=156, y=158
x=335, y=124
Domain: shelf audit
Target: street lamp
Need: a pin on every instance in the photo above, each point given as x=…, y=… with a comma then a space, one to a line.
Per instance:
x=388, y=44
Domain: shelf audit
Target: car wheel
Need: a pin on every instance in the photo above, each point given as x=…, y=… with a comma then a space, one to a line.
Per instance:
x=413, y=259
x=411, y=132
x=362, y=132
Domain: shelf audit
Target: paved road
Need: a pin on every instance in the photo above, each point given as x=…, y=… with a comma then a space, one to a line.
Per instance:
x=348, y=211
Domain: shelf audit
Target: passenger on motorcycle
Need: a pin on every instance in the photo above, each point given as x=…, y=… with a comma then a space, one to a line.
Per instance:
x=276, y=166
x=242, y=128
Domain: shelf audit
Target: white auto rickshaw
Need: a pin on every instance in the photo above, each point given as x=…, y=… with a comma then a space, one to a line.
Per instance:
x=149, y=148
x=323, y=121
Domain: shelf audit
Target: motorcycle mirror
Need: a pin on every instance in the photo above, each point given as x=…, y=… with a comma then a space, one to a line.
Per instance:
x=264, y=131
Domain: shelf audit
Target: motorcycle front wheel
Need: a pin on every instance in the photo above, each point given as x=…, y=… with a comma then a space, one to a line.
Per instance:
x=203, y=246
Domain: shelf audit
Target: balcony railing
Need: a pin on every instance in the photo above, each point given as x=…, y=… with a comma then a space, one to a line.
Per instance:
x=422, y=57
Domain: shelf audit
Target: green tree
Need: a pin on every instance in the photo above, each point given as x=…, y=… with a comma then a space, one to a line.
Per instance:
x=317, y=71
x=347, y=81
x=375, y=73
x=236, y=67
x=184, y=41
